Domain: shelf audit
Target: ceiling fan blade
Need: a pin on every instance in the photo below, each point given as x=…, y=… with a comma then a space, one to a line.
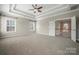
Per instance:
x=39, y=10
x=40, y=7
x=36, y=8
x=33, y=6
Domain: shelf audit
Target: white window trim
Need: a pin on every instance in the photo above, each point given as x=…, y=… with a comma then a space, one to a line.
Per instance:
x=15, y=26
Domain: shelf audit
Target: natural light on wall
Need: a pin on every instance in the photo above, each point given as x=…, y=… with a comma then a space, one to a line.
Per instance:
x=8, y=25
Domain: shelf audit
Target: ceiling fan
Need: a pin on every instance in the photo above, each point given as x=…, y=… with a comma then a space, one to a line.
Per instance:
x=36, y=8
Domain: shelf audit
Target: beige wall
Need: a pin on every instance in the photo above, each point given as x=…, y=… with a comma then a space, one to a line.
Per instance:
x=43, y=23
x=43, y=26
x=22, y=27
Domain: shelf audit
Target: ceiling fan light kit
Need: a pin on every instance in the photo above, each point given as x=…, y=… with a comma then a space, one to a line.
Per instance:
x=36, y=8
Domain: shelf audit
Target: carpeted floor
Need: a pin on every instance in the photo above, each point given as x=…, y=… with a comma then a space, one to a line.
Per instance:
x=36, y=44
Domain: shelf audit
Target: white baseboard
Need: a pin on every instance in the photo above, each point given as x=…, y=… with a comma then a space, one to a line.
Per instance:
x=43, y=34
x=17, y=35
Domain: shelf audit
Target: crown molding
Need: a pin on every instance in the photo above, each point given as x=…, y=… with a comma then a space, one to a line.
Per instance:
x=4, y=14
x=50, y=9
x=53, y=11
x=46, y=13
x=54, y=15
x=18, y=10
x=12, y=10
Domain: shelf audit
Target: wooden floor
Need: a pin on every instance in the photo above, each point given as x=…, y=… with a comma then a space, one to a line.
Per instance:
x=36, y=44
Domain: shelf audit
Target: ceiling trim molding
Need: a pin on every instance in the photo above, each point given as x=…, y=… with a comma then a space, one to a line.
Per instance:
x=66, y=18
x=11, y=10
x=48, y=14
x=45, y=14
x=22, y=11
x=50, y=9
x=67, y=12
x=11, y=16
x=52, y=12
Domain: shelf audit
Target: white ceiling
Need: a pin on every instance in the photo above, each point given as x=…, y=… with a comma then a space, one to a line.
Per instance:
x=23, y=9
x=26, y=7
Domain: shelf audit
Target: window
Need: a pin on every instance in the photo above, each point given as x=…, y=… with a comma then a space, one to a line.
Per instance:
x=10, y=25
x=32, y=26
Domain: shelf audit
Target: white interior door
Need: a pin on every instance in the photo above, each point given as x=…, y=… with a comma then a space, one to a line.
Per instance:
x=73, y=28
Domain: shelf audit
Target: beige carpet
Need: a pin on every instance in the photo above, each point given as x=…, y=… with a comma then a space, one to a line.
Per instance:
x=36, y=44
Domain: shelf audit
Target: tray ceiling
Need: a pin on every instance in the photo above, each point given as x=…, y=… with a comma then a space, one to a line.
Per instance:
x=23, y=9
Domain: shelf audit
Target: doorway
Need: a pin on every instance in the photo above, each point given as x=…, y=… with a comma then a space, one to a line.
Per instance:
x=63, y=28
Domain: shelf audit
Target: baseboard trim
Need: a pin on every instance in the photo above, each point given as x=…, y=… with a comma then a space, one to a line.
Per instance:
x=43, y=34
x=12, y=36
